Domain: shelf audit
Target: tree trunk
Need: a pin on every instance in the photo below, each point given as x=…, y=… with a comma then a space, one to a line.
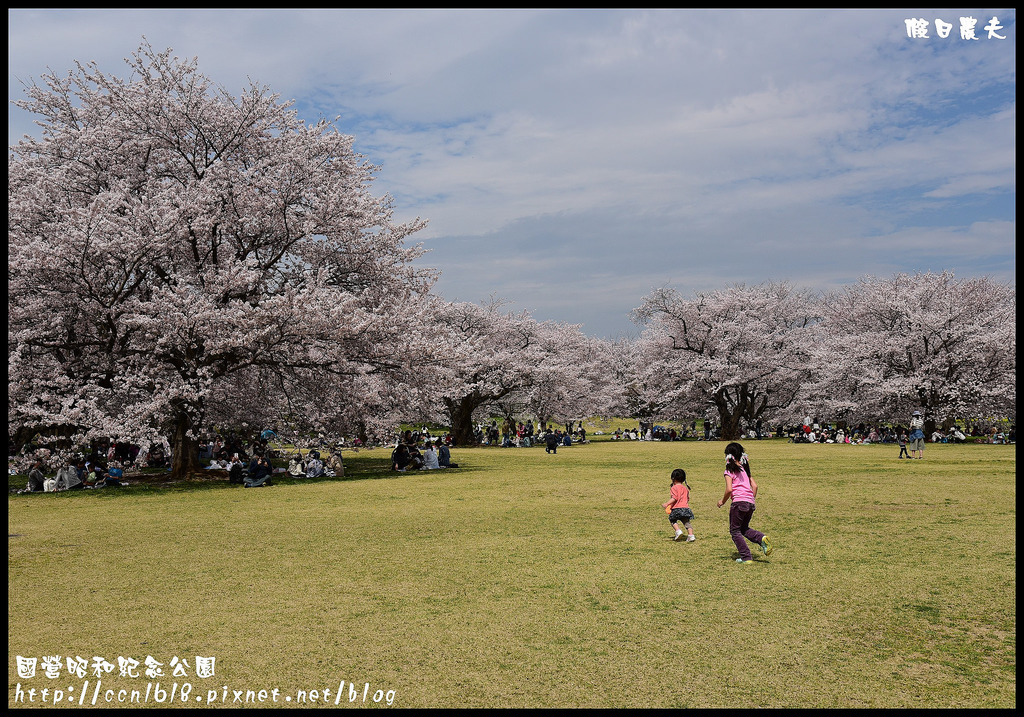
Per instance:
x=185, y=449
x=730, y=424
x=730, y=419
x=460, y=415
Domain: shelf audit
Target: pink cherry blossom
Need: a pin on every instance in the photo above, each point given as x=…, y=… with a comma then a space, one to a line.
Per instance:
x=178, y=254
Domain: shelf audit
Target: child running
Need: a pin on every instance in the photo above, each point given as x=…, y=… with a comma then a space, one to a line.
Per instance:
x=743, y=490
x=678, y=506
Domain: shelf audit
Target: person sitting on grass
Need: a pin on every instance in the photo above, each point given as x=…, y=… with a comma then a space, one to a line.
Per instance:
x=68, y=478
x=444, y=455
x=157, y=459
x=430, y=461
x=314, y=466
x=259, y=473
x=115, y=474
x=400, y=458
x=36, y=478
x=236, y=470
x=95, y=478
x=295, y=467
x=415, y=458
x=336, y=465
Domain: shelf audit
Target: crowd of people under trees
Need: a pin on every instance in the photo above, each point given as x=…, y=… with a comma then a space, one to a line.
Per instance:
x=513, y=434
x=250, y=463
x=813, y=431
x=420, y=451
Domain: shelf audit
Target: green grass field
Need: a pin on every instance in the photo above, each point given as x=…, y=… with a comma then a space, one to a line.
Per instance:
x=531, y=580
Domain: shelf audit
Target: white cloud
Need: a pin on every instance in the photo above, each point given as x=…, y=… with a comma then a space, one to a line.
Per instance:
x=639, y=147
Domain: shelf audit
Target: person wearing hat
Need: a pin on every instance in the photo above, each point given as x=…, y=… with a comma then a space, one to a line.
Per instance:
x=917, y=435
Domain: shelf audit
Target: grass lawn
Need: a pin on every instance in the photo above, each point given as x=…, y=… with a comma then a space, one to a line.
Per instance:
x=524, y=579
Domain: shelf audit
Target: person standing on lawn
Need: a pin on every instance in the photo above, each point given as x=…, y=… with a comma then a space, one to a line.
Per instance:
x=917, y=435
x=902, y=441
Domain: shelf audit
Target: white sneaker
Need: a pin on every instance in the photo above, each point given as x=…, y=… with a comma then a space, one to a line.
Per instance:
x=691, y=538
x=679, y=535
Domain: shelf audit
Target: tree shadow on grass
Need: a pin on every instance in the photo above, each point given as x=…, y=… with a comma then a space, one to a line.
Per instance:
x=155, y=482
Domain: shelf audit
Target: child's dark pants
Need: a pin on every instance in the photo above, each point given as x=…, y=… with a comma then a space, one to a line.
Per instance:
x=739, y=528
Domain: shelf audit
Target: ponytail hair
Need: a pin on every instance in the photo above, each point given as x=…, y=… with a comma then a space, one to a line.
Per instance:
x=679, y=476
x=736, y=459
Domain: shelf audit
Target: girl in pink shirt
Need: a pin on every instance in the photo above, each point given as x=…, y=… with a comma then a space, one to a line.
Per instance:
x=743, y=490
x=678, y=505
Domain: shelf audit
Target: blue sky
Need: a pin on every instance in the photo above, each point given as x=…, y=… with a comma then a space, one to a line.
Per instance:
x=571, y=161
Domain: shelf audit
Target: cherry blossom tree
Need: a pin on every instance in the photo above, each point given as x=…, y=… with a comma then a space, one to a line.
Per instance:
x=570, y=381
x=926, y=341
x=177, y=252
x=637, y=386
x=742, y=350
x=488, y=356
x=642, y=368
x=511, y=363
x=576, y=379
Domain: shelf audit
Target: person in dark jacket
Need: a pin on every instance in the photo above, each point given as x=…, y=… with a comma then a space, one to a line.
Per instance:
x=259, y=473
